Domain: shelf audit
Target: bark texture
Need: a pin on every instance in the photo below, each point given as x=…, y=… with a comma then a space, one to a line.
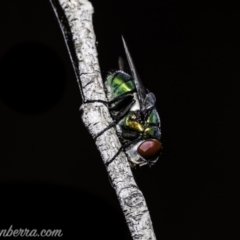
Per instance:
x=96, y=117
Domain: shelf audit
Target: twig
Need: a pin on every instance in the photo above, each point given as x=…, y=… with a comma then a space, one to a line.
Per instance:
x=75, y=19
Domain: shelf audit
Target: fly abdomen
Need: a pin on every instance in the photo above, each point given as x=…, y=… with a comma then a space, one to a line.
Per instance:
x=120, y=83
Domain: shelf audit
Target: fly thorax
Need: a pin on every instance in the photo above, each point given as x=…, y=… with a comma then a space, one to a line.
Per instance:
x=132, y=122
x=151, y=132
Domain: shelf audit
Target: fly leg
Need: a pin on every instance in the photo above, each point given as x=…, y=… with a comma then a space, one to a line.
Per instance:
x=122, y=148
x=121, y=104
x=116, y=102
x=118, y=116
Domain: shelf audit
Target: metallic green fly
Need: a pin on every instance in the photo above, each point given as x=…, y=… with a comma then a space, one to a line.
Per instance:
x=135, y=116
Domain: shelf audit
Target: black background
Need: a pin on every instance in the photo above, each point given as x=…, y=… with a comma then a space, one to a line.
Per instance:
x=51, y=175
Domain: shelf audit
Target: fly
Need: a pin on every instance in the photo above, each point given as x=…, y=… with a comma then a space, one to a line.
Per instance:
x=135, y=116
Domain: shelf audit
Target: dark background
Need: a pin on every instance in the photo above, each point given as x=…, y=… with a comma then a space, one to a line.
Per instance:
x=51, y=175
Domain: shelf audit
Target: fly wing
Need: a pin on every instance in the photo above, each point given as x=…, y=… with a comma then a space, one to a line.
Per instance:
x=121, y=64
x=138, y=83
x=149, y=102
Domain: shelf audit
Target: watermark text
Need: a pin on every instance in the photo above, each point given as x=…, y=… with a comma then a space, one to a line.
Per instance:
x=25, y=232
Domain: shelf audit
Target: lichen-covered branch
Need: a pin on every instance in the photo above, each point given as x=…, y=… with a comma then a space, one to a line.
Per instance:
x=77, y=15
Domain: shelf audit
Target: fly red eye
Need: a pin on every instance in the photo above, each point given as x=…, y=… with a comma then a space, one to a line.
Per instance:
x=150, y=149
